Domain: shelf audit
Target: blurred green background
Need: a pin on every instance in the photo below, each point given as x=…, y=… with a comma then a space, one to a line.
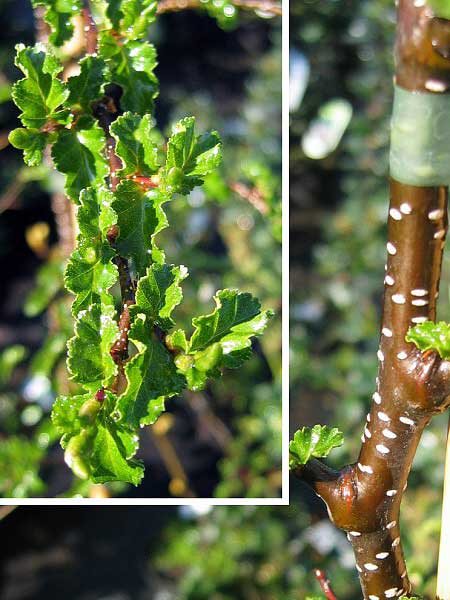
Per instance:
x=226, y=440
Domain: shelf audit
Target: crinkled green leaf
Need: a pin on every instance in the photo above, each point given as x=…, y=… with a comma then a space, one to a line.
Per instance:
x=131, y=64
x=65, y=415
x=95, y=214
x=221, y=339
x=96, y=447
x=431, y=336
x=235, y=312
x=189, y=157
x=135, y=144
x=159, y=292
x=58, y=14
x=90, y=273
x=317, y=442
x=152, y=378
x=31, y=141
x=112, y=451
x=89, y=361
x=79, y=154
x=40, y=93
x=140, y=217
x=131, y=17
x=87, y=87
x=137, y=16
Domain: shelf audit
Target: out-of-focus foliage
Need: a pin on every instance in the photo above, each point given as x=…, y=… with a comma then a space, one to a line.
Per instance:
x=239, y=552
x=217, y=231
x=339, y=207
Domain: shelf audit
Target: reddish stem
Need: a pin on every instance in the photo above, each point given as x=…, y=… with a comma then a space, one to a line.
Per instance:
x=325, y=584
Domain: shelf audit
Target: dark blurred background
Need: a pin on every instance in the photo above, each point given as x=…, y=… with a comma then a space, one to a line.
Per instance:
x=225, y=441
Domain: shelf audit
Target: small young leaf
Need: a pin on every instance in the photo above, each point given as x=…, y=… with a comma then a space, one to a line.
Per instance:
x=131, y=64
x=431, y=336
x=78, y=153
x=58, y=15
x=31, y=141
x=139, y=217
x=317, y=441
x=87, y=87
x=89, y=360
x=177, y=341
x=40, y=93
x=135, y=145
x=189, y=158
x=152, y=378
x=159, y=292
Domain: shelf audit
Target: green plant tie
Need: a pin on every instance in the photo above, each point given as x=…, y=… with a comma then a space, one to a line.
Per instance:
x=420, y=138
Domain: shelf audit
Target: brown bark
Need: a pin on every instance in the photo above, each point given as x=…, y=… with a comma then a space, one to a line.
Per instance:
x=364, y=498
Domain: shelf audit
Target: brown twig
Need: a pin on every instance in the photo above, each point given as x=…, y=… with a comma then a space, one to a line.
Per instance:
x=90, y=29
x=252, y=195
x=324, y=584
x=264, y=6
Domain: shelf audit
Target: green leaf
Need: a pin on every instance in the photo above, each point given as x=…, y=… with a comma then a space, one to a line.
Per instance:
x=65, y=415
x=40, y=93
x=31, y=141
x=135, y=145
x=137, y=16
x=159, y=292
x=131, y=64
x=317, y=441
x=58, y=15
x=89, y=361
x=96, y=447
x=140, y=217
x=90, y=273
x=441, y=8
x=431, y=336
x=151, y=376
x=95, y=214
x=112, y=450
x=79, y=154
x=189, y=158
x=223, y=338
x=87, y=87
x=177, y=341
x=234, y=314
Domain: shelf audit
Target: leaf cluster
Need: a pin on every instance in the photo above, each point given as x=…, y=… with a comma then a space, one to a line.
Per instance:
x=116, y=394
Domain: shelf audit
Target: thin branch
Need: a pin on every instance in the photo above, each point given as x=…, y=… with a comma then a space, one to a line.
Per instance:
x=252, y=195
x=325, y=584
x=264, y=6
x=364, y=498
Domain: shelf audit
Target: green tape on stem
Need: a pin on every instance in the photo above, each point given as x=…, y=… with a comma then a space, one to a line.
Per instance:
x=420, y=138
